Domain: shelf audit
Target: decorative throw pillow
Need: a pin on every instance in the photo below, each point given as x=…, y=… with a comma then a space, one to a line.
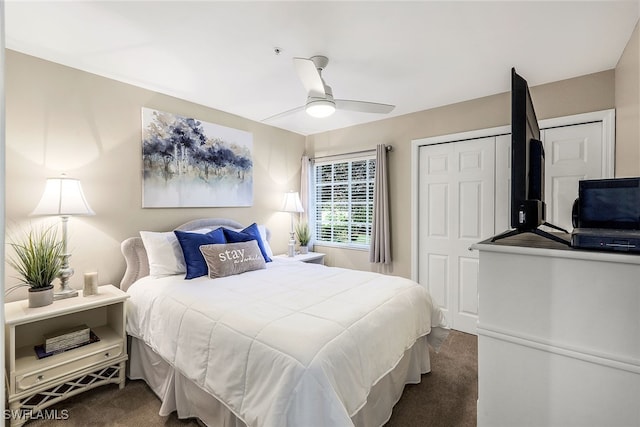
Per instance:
x=190, y=244
x=252, y=232
x=232, y=258
x=164, y=253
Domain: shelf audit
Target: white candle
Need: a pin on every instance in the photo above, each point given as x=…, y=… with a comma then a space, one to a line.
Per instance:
x=90, y=284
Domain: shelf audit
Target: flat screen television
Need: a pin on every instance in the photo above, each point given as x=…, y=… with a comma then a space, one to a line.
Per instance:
x=527, y=209
x=527, y=159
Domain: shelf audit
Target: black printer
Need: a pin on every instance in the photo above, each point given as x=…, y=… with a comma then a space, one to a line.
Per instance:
x=606, y=215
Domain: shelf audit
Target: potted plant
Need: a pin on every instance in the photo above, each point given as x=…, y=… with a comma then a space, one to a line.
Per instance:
x=304, y=236
x=38, y=258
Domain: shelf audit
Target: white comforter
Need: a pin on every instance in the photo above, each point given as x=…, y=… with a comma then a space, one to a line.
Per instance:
x=293, y=345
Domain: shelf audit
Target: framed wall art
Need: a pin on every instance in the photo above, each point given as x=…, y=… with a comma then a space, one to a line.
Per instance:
x=189, y=163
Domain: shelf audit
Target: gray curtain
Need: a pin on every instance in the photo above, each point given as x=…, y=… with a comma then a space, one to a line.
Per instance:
x=380, y=251
x=305, y=167
x=305, y=195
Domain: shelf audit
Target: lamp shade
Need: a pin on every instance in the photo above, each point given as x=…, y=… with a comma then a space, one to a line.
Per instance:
x=64, y=197
x=291, y=202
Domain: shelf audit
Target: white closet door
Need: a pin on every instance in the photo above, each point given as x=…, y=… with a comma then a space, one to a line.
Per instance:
x=572, y=153
x=503, y=184
x=434, y=231
x=456, y=210
x=451, y=198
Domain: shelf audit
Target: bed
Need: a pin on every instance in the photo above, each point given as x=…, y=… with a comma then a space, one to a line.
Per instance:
x=287, y=344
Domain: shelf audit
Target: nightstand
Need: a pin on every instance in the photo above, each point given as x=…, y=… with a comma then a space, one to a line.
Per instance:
x=34, y=384
x=311, y=257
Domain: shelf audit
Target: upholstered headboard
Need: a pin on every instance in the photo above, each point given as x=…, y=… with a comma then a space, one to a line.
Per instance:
x=135, y=254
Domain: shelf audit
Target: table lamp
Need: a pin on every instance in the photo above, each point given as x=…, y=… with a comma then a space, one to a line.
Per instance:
x=63, y=197
x=292, y=204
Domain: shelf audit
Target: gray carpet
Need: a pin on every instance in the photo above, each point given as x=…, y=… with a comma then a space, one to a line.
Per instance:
x=446, y=397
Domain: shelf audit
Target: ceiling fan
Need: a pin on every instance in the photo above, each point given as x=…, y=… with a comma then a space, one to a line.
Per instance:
x=320, y=102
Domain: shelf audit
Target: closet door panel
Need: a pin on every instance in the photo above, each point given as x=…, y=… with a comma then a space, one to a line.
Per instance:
x=503, y=183
x=435, y=222
x=572, y=153
x=456, y=210
x=474, y=207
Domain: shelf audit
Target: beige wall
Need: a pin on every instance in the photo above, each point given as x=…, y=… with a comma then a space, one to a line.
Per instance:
x=628, y=108
x=580, y=95
x=63, y=120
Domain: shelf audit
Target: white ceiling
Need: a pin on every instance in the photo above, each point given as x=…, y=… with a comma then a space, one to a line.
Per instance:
x=416, y=55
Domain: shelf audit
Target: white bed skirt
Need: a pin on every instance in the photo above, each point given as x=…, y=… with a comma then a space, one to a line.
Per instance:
x=178, y=393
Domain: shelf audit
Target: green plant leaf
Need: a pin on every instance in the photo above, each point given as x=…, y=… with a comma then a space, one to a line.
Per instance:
x=37, y=256
x=303, y=234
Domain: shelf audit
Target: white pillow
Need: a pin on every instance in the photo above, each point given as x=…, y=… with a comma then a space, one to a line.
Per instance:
x=263, y=235
x=164, y=253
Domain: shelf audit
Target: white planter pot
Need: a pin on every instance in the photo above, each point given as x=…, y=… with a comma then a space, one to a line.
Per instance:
x=39, y=297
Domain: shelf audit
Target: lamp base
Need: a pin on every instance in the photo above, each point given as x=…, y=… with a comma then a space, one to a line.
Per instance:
x=292, y=242
x=67, y=293
x=66, y=272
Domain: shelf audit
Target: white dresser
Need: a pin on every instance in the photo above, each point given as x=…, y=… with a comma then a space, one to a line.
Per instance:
x=558, y=336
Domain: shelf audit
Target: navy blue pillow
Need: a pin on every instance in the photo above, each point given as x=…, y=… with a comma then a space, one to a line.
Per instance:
x=250, y=233
x=190, y=243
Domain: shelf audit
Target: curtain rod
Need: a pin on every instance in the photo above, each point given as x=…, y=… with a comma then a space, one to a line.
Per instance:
x=373, y=150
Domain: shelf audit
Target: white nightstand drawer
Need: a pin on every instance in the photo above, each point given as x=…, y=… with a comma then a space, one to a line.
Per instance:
x=42, y=376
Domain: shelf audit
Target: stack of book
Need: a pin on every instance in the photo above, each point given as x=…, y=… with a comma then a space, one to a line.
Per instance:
x=66, y=339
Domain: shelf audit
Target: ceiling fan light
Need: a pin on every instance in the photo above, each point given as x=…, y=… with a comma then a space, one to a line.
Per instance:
x=320, y=108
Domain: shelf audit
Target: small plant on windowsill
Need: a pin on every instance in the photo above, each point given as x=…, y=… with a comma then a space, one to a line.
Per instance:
x=37, y=259
x=303, y=234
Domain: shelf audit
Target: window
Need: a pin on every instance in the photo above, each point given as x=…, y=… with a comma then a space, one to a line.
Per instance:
x=343, y=201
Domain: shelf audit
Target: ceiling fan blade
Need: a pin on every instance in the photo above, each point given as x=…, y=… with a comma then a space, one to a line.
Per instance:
x=364, y=106
x=310, y=77
x=284, y=113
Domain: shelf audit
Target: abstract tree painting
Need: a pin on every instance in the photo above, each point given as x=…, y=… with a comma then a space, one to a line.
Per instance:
x=191, y=163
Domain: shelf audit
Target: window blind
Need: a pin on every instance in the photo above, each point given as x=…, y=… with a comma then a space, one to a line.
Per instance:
x=343, y=201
